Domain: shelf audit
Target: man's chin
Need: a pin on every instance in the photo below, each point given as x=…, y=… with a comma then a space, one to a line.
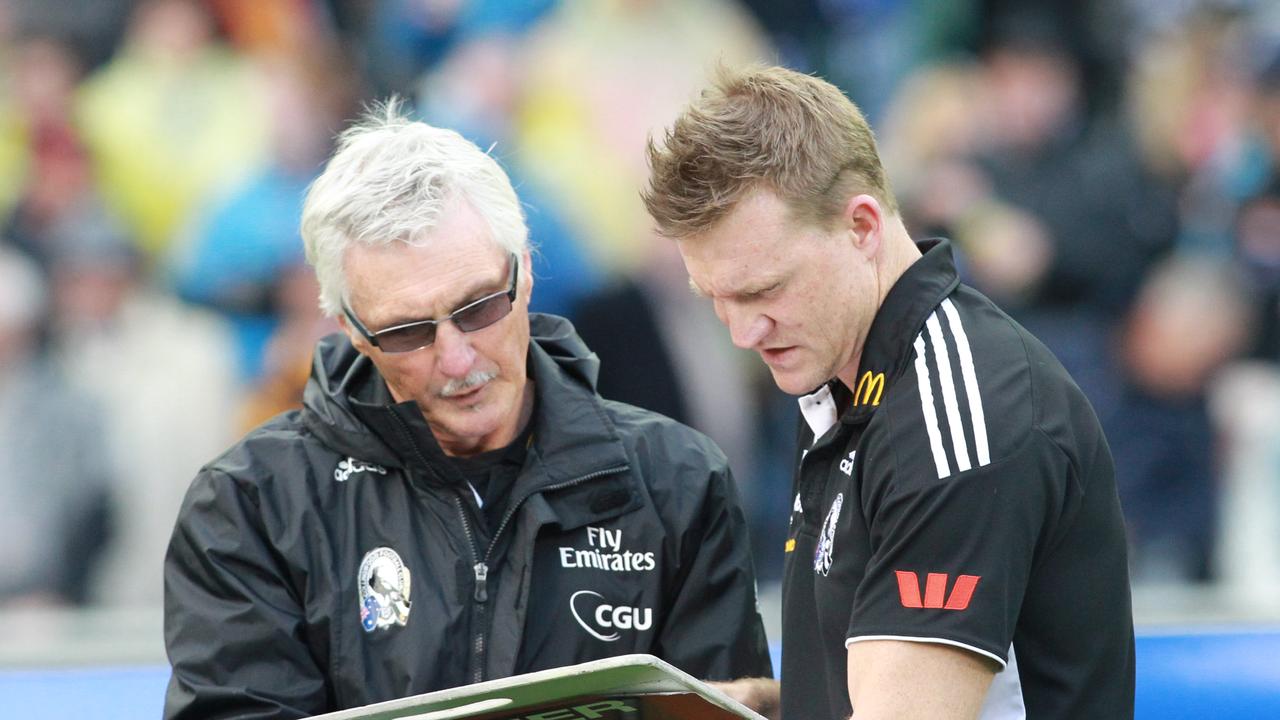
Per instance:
x=794, y=383
x=469, y=427
x=465, y=438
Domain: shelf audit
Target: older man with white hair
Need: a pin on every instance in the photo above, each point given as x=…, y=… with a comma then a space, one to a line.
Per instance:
x=455, y=502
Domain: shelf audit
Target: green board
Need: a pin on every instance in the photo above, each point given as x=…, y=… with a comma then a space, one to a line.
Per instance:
x=629, y=687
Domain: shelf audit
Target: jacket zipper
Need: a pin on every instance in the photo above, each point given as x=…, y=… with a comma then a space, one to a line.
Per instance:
x=480, y=567
x=481, y=595
x=481, y=570
x=479, y=644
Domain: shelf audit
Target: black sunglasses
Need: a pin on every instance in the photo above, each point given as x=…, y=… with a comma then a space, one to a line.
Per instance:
x=421, y=333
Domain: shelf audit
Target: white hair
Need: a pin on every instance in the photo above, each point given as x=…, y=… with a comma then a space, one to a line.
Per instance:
x=388, y=181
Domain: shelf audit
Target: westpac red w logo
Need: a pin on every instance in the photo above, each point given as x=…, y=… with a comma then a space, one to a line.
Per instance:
x=935, y=586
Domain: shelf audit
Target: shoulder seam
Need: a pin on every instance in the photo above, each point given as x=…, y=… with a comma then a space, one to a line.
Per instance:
x=240, y=486
x=1031, y=376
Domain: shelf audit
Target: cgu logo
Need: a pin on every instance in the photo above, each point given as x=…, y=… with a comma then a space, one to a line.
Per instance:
x=609, y=617
x=869, y=389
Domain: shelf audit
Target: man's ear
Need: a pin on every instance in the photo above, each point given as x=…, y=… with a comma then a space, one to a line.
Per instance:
x=863, y=220
x=526, y=269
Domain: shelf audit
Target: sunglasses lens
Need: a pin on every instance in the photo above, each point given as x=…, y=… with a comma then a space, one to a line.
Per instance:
x=483, y=314
x=407, y=338
x=473, y=317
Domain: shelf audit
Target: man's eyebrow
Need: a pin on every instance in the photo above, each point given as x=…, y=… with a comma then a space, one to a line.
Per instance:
x=475, y=290
x=746, y=292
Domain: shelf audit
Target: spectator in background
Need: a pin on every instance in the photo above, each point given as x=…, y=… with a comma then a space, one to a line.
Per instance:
x=57, y=180
x=171, y=121
x=163, y=374
x=291, y=28
x=286, y=359
x=933, y=131
x=405, y=39
x=476, y=89
x=1257, y=236
x=1045, y=155
x=1057, y=217
x=598, y=77
x=1061, y=220
x=1191, y=99
x=867, y=47
x=1191, y=317
x=1257, y=225
x=54, y=493
x=92, y=27
x=244, y=245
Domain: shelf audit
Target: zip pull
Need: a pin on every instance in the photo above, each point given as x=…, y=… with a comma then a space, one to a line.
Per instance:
x=482, y=581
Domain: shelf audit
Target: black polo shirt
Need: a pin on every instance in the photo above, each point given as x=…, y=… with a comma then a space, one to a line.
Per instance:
x=963, y=495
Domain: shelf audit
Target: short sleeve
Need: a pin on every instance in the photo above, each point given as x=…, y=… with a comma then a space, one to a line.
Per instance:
x=951, y=558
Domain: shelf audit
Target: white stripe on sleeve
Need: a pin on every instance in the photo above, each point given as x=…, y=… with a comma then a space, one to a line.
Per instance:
x=947, y=381
x=930, y=415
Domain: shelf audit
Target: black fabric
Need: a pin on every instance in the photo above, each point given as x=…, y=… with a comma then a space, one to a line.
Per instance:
x=265, y=611
x=494, y=473
x=971, y=500
x=620, y=325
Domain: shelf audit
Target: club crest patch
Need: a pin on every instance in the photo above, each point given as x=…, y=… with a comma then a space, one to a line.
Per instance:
x=822, y=556
x=384, y=590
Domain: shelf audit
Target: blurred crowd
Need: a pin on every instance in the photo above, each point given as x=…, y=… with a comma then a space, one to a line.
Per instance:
x=1108, y=169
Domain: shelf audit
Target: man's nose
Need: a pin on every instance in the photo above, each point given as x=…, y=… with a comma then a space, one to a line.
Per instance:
x=747, y=328
x=454, y=353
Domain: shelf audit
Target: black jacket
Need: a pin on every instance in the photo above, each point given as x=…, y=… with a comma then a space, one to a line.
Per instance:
x=335, y=558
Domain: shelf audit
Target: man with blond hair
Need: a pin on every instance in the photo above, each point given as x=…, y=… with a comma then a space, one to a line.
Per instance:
x=956, y=547
x=454, y=502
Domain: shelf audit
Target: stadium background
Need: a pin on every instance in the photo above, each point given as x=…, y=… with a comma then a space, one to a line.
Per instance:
x=1109, y=170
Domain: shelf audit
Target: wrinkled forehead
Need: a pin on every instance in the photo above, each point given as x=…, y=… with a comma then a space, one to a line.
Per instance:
x=428, y=274
x=750, y=245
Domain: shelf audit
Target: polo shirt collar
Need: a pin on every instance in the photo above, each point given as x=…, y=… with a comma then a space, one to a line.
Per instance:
x=888, y=346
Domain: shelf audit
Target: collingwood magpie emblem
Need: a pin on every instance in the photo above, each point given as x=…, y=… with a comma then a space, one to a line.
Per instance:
x=384, y=590
x=822, y=556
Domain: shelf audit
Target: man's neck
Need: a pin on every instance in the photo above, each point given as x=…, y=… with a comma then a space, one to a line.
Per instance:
x=898, y=253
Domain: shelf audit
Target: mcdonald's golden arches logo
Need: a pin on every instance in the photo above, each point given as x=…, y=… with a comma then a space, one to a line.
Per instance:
x=870, y=387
